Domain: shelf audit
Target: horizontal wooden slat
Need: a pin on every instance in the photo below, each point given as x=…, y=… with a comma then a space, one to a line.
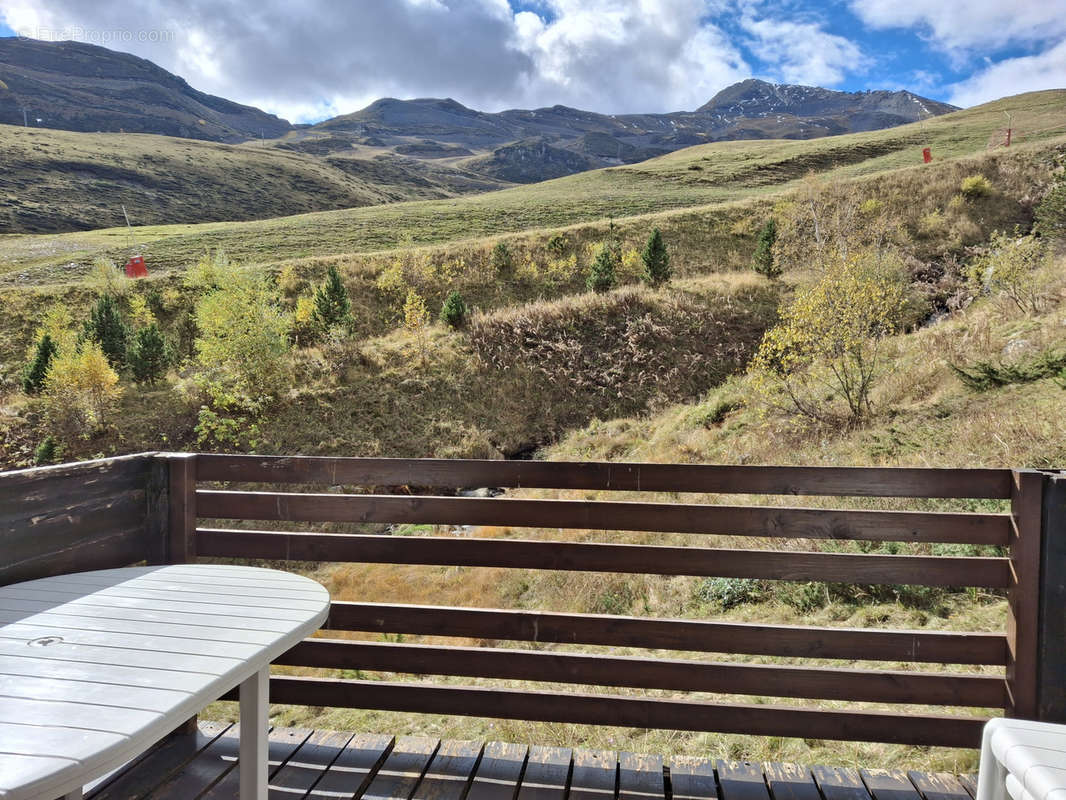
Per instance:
x=767, y=521
x=947, y=689
x=757, y=720
x=621, y=558
x=672, y=634
x=701, y=478
x=118, y=548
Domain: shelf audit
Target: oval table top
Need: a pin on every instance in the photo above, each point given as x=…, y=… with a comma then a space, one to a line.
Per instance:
x=97, y=666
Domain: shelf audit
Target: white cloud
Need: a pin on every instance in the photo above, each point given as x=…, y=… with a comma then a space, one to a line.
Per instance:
x=1012, y=76
x=802, y=52
x=957, y=25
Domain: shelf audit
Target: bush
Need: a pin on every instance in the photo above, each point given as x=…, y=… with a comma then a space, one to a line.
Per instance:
x=501, y=260
x=107, y=328
x=332, y=305
x=211, y=272
x=47, y=451
x=656, y=260
x=825, y=349
x=1010, y=267
x=148, y=356
x=1051, y=213
x=984, y=375
x=453, y=312
x=79, y=391
x=416, y=320
x=107, y=278
x=730, y=592
x=36, y=370
x=242, y=347
x=975, y=187
x=763, y=260
x=601, y=277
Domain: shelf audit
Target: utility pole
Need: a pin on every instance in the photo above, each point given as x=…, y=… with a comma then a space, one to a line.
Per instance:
x=25, y=122
x=1010, y=122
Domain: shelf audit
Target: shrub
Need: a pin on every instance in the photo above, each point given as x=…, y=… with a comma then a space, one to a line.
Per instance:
x=148, y=356
x=47, y=451
x=107, y=278
x=106, y=327
x=501, y=260
x=416, y=320
x=302, y=329
x=37, y=369
x=984, y=375
x=1051, y=213
x=975, y=187
x=453, y=312
x=1010, y=268
x=58, y=323
x=140, y=310
x=211, y=272
x=826, y=347
x=601, y=277
x=242, y=347
x=763, y=260
x=557, y=245
x=656, y=260
x=332, y=305
x=730, y=592
x=79, y=391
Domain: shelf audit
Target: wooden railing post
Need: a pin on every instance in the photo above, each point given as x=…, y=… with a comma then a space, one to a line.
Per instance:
x=1051, y=674
x=181, y=543
x=1027, y=496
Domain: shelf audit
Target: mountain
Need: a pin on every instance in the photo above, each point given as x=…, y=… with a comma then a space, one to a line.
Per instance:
x=82, y=87
x=532, y=145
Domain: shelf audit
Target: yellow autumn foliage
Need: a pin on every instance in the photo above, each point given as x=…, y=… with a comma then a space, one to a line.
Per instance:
x=80, y=390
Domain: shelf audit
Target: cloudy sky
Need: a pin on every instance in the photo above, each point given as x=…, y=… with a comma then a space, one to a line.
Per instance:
x=313, y=59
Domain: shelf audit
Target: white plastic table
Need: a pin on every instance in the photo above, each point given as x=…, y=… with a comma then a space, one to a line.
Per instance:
x=1025, y=760
x=96, y=667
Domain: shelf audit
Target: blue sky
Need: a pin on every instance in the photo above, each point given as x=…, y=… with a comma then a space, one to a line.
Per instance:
x=613, y=56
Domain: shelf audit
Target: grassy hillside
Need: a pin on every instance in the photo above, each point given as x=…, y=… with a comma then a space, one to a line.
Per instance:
x=703, y=177
x=61, y=181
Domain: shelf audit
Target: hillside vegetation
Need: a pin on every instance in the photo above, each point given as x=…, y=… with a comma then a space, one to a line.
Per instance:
x=703, y=178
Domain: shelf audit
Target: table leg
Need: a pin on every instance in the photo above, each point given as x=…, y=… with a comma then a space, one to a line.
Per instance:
x=253, y=749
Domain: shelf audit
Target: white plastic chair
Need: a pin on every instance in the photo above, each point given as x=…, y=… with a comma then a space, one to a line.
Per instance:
x=1025, y=760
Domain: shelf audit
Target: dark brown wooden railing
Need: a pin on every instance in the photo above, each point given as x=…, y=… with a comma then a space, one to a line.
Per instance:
x=197, y=515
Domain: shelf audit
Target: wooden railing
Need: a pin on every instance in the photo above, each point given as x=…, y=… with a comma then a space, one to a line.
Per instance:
x=196, y=518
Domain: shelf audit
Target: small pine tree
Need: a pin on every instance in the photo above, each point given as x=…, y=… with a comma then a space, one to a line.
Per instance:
x=656, y=260
x=46, y=451
x=33, y=377
x=453, y=312
x=332, y=306
x=601, y=277
x=502, y=260
x=148, y=355
x=763, y=261
x=106, y=327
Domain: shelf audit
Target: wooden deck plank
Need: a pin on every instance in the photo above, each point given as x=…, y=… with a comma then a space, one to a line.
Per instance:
x=450, y=772
x=889, y=784
x=209, y=766
x=595, y=775
x=790, y=782
x=692, y=778
x=156, y=765
x=403, y=769
x=640, y=777
x=840, y=783
x=547, y=774
x=499, y=773
x=350, y=774
x=281, y=745
x=938, y=786
x=307, y=765
x=742, y=780
x=969, y=783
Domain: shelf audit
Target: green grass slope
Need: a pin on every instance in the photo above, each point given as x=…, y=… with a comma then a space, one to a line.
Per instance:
x=695, y=177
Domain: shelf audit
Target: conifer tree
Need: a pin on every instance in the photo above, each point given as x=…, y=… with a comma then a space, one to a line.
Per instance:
x=601, y=277
x=148, y=355
x=106, y=327
x=332, y=306
x=453, y=312
x=33, y=377
x=763, y=261
x=656, y=260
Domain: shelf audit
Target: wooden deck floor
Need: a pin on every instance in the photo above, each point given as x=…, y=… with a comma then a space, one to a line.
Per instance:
x=329, y=764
